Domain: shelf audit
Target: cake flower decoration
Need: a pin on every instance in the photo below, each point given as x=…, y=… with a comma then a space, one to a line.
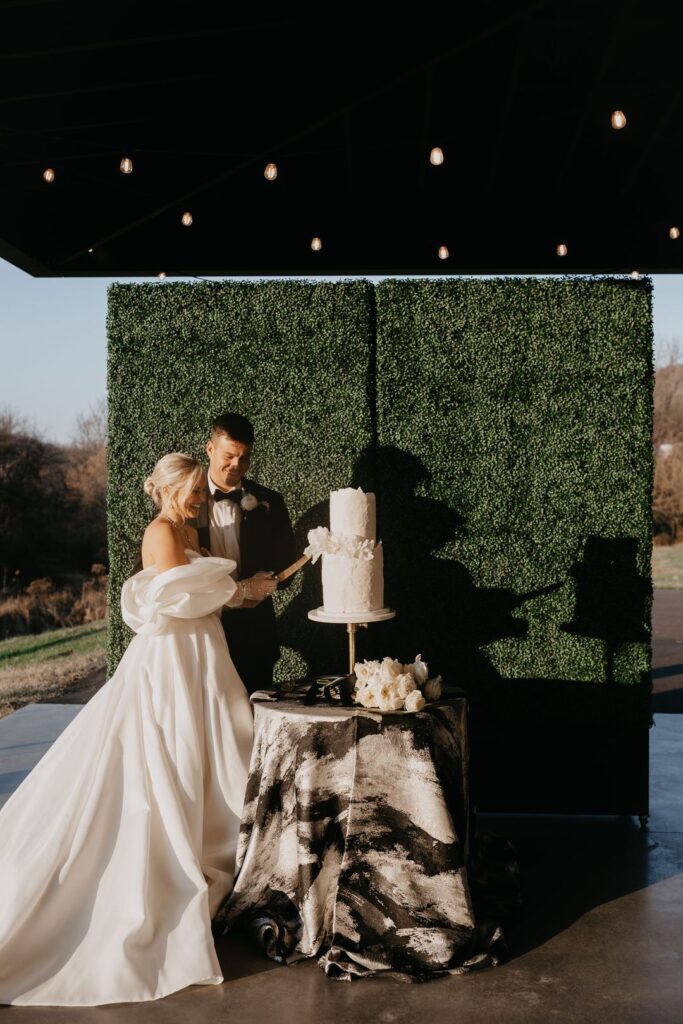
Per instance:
x=322, y=542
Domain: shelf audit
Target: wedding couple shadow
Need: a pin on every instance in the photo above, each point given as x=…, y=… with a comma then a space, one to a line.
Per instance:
x=423, y=589
x=441, y=612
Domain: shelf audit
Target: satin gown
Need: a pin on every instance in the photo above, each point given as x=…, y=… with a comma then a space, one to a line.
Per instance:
x=119, y=846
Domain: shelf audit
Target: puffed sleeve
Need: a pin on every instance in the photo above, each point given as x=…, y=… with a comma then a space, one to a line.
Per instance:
x=190, y=591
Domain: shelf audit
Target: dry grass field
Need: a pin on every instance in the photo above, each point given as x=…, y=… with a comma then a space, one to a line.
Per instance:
x=667, y=566
x=45, y=665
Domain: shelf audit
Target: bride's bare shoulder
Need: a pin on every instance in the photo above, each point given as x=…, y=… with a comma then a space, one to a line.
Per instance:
x=159, y=544
x=159, y=530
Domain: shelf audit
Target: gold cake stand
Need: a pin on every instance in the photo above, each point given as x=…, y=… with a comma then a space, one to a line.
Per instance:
x=353, y=621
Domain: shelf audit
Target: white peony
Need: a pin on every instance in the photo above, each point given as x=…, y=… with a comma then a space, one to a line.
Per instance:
x=420, y=670
x=376, y=684
x=363, y=671
x=405, y=684
x=415, y=701
x=367, y=690
x=433, y=688
x=361, y=694
x=388, y=698
x=390, y=670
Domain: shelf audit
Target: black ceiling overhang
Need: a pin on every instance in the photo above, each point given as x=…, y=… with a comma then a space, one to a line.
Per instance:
x=517, y=95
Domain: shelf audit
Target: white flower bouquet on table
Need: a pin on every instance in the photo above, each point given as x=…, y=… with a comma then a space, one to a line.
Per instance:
x=391, y=686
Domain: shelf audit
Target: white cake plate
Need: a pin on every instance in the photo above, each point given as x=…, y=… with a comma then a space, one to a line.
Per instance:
x=352, y=620
x=362, y=618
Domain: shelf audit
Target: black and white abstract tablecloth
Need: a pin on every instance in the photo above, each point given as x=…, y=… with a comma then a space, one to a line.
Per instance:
x=354, y=842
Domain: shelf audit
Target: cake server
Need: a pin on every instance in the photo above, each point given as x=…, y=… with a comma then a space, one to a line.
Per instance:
x=291, y=569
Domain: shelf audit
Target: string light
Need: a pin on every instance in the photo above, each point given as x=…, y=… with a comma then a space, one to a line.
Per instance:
x=634, y=275
x=126, y=165
x=674, y=232
x=270, y=172
x=48, y=175
x=561, y=249
x=436, y=156
x=443, y=252
x=187, y=219
x=161, y=275
x=618, y=119
x=316, y=244
x=91, y=250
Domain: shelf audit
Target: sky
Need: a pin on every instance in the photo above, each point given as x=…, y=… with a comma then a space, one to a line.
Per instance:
x=53, y=345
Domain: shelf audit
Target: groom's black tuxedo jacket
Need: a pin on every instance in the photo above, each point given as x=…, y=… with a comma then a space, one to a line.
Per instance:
x=266, y=542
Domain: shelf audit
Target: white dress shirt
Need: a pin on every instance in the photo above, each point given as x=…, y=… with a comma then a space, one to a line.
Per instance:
x=224, y=527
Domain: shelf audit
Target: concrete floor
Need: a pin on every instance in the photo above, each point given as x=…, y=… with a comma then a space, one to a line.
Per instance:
x=600, y=940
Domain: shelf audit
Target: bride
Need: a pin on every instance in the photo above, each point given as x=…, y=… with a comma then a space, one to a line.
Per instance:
x=118, y=848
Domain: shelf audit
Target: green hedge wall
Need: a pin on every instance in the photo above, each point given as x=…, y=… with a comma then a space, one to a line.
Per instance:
x=293, y=356
x=505, y=425
x=514, y=432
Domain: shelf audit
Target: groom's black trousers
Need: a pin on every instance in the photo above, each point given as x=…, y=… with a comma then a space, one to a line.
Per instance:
x=252, y=640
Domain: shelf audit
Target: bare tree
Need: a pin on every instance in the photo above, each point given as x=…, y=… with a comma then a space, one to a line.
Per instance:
x=669, y=352
x=667, y=498
x=668, y=412
x=91, y=427
x=13, y=422
x=87, y=481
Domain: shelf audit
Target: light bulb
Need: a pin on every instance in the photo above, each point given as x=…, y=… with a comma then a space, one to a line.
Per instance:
x=91, y=250
x=270, y=172
x=618, y=119
x=316, y=244
x=126, y=165
x=635, y=275
x=187, y=219
x=161, y=275
x=561, y=249
x=436, y=156
x=48, y=174
x=674, y=232
x=443, y=252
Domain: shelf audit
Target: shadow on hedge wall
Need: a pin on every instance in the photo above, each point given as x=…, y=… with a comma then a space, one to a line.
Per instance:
x=610, y=605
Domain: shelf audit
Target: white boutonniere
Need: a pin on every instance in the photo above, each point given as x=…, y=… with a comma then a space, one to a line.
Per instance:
x=250, y=502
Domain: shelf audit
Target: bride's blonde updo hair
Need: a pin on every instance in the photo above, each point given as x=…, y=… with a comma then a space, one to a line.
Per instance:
x=171, y=482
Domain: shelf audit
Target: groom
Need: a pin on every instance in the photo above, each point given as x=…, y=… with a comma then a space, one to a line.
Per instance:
x=249, y=523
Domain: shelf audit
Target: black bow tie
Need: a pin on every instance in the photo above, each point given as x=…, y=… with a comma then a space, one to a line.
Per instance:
x=235, y=495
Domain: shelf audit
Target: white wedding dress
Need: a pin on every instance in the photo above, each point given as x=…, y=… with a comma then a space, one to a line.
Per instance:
x=117, y=849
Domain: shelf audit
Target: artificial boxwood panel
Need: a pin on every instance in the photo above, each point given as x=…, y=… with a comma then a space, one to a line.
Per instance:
x=514, y=458
x=505, y=426
x=296, y=357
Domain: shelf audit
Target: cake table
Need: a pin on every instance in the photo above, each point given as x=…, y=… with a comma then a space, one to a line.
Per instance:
x=354, y=842
x=353, y=621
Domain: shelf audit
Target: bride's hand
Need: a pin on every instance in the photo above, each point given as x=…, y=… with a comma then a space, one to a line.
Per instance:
x=259, y=586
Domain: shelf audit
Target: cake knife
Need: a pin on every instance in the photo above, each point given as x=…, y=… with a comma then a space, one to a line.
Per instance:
x=291, y=569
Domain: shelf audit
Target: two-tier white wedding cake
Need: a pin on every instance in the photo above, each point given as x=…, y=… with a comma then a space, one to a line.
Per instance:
x=352, y=558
